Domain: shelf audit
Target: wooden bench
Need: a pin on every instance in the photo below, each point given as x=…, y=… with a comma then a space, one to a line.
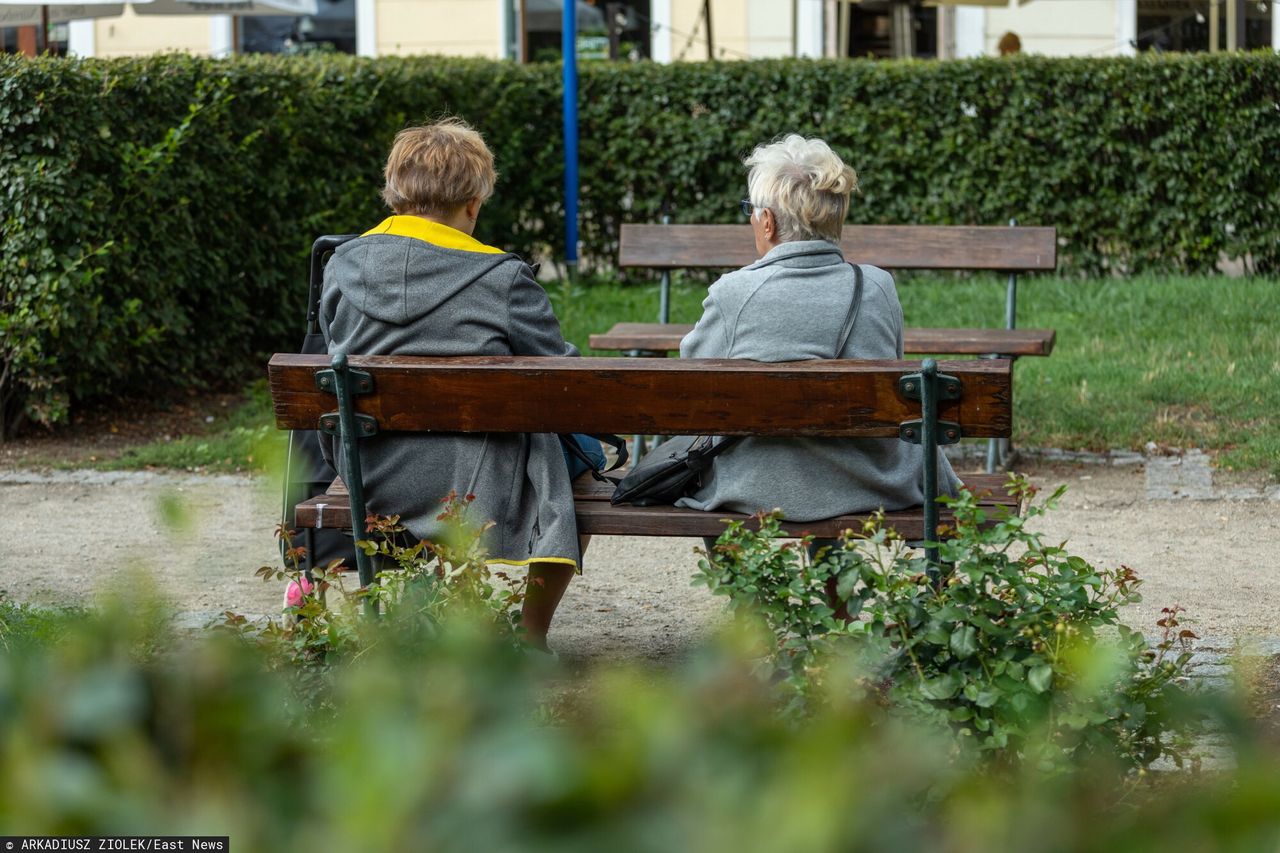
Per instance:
x=928, y=403
x=1011, y=250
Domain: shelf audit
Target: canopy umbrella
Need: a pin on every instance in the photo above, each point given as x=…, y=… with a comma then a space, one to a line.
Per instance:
x=226, y=7
x=990, y=3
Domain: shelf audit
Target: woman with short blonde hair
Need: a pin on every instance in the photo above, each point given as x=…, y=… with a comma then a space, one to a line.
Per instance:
x=801, y=301
x=420, y=283
x=436, y=168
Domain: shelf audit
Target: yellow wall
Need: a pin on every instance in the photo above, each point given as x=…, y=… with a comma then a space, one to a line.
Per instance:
x=1056, y=27
x=452, y=27
x=132, y=34
x=755, y=28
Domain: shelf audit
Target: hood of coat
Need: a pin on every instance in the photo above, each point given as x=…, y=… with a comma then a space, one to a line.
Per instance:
x=408, y=267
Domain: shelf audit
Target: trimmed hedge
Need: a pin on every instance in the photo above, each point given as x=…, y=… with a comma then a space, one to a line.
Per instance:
x=157, y=211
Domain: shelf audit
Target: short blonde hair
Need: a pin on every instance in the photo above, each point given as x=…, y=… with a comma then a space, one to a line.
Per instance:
x=805, y=184
x=438, y=167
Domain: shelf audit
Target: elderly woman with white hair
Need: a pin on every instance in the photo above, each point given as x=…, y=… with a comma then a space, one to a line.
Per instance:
x=794, y=304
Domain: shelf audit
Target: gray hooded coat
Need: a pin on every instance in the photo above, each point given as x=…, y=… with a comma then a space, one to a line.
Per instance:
x=791, y=306
x=390, y=294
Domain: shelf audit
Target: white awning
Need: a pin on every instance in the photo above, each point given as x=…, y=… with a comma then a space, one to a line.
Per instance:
x=226, y=7
x=24, y=14
x=989, y=3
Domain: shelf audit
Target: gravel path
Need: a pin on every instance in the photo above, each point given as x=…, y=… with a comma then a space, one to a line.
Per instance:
x=199, y=539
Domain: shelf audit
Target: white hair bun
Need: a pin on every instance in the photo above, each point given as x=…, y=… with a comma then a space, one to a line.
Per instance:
x=805, y=183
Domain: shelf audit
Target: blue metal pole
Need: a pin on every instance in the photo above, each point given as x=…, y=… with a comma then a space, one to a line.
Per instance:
x=569, y=48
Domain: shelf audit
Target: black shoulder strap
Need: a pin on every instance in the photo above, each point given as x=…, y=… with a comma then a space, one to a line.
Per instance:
x=854, y=307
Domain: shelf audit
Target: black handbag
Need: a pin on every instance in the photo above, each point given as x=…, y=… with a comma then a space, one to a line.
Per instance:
x=671, y=470
x=675, y=468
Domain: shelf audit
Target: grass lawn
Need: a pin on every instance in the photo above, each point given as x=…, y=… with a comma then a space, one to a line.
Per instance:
x=1182, y=361
x=246, y=439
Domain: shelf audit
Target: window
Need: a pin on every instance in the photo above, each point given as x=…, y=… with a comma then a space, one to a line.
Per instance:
x=606, y=29
x=26, y=40
x=892, y=28
x=1184, y=25
x=333, y=27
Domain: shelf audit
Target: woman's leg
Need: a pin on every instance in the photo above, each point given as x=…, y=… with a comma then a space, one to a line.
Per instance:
x=547, y=583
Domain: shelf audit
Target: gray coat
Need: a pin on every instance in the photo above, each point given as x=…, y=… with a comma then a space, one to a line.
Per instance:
x=790, y=306
x=399, y=295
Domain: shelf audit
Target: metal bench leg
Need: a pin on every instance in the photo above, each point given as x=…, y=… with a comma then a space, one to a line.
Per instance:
x=664, y=298
x=309, y=562
x=999, y=450
x=930, y=387
x=345, y=383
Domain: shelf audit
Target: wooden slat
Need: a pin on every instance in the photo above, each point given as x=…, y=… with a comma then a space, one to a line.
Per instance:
x=603, y=519
x=597, y=516
x=935, y=247
x=649, y=396
x=1020, y=342
x=665, y=337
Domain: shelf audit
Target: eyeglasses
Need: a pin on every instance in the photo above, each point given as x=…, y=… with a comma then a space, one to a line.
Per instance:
x=747, y=207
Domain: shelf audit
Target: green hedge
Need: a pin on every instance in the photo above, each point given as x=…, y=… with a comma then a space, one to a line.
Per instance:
x=157, y=211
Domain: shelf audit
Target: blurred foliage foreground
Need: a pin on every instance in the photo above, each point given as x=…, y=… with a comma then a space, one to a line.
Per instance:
x=982, y=713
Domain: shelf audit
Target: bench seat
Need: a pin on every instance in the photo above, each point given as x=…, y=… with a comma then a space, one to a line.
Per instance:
x=665, y=337
x=597, y=516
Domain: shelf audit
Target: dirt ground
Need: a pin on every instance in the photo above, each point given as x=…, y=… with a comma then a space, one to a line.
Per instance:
x=198, y=539
x=103, y=432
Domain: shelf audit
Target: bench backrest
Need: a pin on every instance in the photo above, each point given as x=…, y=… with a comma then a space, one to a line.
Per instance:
x=919, y=402
x=938, y=247
x=648, y=396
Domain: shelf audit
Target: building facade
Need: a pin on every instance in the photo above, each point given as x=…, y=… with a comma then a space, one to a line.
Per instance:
x=690, y=30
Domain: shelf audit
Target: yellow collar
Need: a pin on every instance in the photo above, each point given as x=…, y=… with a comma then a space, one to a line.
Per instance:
x=435, y=233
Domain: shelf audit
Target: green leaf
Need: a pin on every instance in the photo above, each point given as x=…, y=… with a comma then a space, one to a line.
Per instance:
x=964, y=641
x=846, y=584
x=987, y=698
x=1040, y=677
x=941, y=688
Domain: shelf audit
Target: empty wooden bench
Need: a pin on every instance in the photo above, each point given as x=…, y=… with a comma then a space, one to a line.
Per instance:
x=924, y=403
x=1010, y=250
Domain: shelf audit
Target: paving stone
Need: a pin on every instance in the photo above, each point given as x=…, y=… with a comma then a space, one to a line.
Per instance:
x=86, y=477
x=1126, y=457
x=1186, y=477
x=1242, y=493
